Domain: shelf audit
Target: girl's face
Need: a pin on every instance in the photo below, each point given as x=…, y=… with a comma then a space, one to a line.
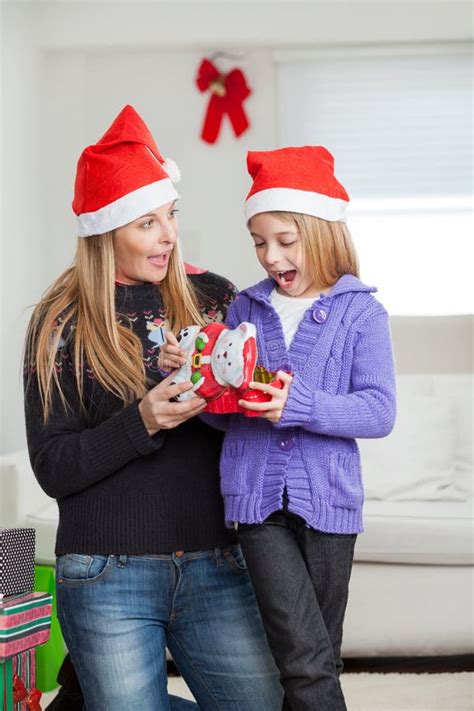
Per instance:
x=142, y=248
x=280, y=252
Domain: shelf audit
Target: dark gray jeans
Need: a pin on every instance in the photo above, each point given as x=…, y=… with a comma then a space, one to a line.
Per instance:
x=301, y=579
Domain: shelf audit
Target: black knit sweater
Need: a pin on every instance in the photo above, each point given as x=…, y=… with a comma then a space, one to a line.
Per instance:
x=118, y=489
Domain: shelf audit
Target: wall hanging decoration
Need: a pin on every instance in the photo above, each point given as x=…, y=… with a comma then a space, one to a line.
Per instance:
x=227, y=94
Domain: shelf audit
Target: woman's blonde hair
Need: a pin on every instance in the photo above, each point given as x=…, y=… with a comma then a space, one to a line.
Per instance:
x=82, y=302
x=327, y=247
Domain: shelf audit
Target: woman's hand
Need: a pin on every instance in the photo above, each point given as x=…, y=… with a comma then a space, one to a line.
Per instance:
x=171, y=356
x=158, y=413
x=272, y=409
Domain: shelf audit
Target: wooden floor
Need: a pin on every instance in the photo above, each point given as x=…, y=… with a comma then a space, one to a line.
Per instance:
x=410, y=665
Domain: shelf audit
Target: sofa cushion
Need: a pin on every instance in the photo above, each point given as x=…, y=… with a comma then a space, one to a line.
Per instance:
x=45, y=521
x=20, y=493
x=428, y=456
x=427, y=532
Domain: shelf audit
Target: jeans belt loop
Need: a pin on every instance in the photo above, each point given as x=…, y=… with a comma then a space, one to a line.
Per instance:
x=219, y=557
x=122, y=561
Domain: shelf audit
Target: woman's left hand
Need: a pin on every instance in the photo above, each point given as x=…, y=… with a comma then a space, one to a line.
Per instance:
x=171, y=355
x=272, y=409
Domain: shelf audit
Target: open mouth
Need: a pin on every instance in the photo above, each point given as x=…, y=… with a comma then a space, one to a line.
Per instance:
x=286, y=278
x=159, y=260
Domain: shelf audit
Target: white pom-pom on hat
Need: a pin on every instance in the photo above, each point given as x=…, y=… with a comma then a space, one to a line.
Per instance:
x=172, y=169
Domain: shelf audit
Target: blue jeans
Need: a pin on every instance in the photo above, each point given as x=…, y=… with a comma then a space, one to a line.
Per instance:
x=119, y=613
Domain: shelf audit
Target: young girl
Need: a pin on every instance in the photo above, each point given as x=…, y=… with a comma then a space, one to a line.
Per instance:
x=291, y=479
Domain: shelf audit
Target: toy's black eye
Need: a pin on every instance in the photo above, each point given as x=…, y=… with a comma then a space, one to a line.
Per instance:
x=179, y=337
x=229, y=363
x=230, y=344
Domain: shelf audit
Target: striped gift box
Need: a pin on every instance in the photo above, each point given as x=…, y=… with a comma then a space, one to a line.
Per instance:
x=24, y=623
x=23, y=665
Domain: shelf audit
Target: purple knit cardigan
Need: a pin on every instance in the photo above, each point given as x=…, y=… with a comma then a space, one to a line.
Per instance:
x=343, y=387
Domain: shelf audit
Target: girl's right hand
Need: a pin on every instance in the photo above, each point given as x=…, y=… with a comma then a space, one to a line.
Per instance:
x=171, y=356
x=158, y=413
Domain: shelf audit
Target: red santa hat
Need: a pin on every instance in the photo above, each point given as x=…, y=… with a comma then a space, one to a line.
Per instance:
x=121, y=177
x=295, y=180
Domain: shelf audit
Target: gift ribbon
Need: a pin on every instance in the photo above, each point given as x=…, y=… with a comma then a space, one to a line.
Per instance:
x=21, y=693
x=228, y=92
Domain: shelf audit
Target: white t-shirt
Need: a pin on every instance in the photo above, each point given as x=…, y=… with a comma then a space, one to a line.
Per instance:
x=290, y=309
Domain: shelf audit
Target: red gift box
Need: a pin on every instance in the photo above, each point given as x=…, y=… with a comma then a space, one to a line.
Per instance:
x=25, y=621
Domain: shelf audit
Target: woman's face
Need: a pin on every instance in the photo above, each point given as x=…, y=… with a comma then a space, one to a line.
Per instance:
x=142, y=248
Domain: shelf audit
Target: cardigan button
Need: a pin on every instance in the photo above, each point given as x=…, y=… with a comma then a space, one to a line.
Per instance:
x=287, y=443
x=273, y=346
x=320, y=315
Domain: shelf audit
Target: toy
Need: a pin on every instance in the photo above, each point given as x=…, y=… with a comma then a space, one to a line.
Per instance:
x=221, y=364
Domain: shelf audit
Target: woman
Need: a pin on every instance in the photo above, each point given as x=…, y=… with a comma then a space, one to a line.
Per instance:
x=144, y=559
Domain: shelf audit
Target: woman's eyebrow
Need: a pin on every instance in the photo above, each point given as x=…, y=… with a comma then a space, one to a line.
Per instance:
x=153, y=214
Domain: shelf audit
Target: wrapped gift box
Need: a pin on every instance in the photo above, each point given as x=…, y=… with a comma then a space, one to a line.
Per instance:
x=17, y=683
x=17, y=561
x=24, y=623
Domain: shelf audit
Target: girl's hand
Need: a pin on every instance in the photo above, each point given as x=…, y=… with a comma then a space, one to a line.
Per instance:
x=272, y=409
x=158, y=413
x=171, y=356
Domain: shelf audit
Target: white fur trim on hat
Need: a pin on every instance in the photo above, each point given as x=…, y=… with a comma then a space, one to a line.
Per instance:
x=170, y=167
x=127, y=208
x=302, y=201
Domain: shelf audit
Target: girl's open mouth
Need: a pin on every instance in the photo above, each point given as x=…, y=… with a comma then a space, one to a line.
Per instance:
x=285, y=278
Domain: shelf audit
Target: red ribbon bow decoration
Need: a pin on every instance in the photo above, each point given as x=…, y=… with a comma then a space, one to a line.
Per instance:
x=228, y=92
x=21, y=693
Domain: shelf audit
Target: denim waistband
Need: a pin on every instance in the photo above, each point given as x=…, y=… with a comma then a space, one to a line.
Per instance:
x=179, y=556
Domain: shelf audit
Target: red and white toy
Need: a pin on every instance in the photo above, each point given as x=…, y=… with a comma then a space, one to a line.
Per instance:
x=221, y=364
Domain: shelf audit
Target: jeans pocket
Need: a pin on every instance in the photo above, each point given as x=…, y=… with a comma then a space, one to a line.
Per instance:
x=235, y=560
x=81, y=568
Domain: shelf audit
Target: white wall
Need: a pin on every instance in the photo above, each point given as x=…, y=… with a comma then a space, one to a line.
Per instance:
x=97, y=84
x=70, y=66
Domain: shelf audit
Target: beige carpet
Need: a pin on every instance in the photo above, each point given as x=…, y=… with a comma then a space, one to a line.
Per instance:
x=385, y=692
x=409, y=692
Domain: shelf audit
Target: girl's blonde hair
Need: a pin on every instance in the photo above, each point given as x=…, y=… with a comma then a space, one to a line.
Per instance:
x=82, y=300
x=327, y=247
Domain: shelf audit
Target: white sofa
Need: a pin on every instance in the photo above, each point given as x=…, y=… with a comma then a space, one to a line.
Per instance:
x=412, y=587
x=412, y=581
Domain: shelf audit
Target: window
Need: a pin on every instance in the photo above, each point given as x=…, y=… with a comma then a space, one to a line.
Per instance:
x=398, y=121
